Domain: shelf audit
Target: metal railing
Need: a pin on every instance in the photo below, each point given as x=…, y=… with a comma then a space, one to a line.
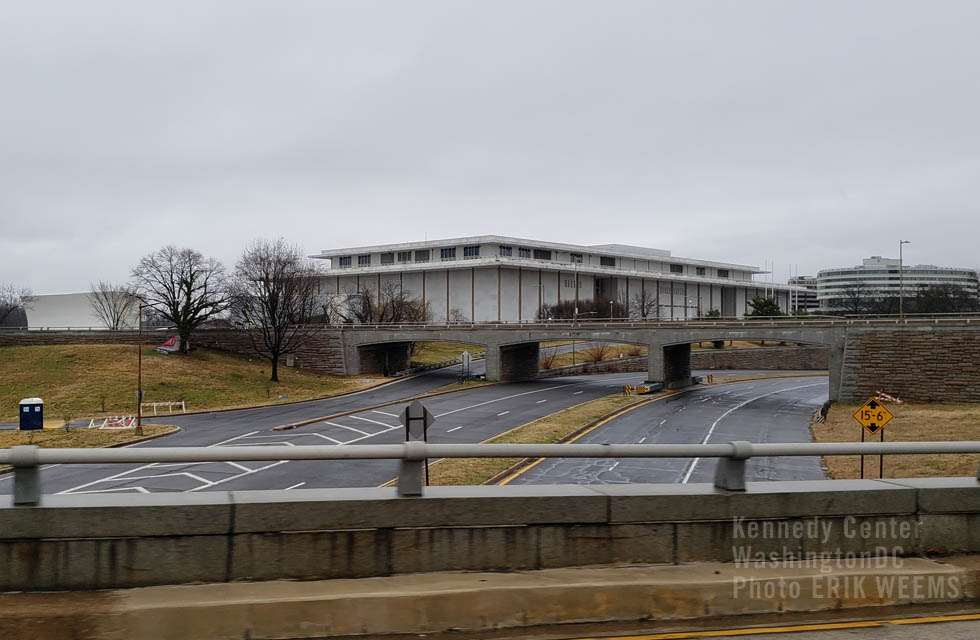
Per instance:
x=602, y=323
x=729, y=475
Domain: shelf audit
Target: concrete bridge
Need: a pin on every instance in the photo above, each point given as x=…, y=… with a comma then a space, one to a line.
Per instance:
x=864, y=354
x=513, y=351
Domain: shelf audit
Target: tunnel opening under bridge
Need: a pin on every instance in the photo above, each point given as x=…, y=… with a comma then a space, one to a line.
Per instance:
x=676, y=364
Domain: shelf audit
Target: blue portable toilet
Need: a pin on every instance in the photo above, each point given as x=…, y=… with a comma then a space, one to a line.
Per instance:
x=31, y=414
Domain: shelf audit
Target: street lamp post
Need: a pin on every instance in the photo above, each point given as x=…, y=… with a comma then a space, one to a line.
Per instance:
x=901, y=281
x=139, y=371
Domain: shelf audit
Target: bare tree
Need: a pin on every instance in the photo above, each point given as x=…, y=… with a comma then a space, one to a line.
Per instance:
x=14, y=301
x=853, y=298
x=643, y=305
x=275, y=298
x=113, y=303
x=183, y=286
x=389, y=304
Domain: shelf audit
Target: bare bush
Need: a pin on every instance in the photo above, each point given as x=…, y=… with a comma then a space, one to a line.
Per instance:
x=598, y=353
x=548, y=357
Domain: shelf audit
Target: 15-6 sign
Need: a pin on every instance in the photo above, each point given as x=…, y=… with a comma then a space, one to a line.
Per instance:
x=873, y=416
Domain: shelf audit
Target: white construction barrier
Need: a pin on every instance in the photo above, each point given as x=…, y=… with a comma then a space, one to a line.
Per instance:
x=169, y=405
x=113, y=422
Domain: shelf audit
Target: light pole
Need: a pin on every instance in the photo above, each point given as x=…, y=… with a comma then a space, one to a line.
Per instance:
x=139, y=371
x=901, y=281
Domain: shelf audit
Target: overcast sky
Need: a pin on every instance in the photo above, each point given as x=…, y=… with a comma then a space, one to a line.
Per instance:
x=811, y=134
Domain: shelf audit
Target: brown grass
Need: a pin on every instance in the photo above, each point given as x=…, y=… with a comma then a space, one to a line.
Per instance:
x=600, y=353
x=76, y=438
x=433, y=352
x=546, y=430
x=912, y=423
x=76, y=379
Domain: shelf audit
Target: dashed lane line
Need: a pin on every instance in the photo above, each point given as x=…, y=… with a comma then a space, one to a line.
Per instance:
x=711, y=430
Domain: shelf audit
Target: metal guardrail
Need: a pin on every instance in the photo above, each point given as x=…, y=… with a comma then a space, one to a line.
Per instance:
x=436, y=365
x=720, y=322
x=730, y=473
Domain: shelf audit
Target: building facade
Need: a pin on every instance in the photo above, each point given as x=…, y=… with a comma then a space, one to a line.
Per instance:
x=805, y=300
x=504, y=279
x=69, y=310
x=878, y=278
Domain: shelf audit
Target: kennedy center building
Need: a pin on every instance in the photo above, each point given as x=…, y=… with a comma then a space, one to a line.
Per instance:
x=503, y=279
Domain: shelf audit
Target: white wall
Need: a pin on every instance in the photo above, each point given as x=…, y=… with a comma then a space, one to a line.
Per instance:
x=66, y=310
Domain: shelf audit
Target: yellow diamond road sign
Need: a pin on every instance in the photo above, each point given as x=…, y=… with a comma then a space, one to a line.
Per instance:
x=873, y=416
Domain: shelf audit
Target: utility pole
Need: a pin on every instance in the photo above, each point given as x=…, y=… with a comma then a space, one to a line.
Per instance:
x=901, y=281
x=139, y=371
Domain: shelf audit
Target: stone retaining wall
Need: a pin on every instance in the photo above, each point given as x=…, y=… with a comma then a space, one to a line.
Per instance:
x=801, y=358
x=924, y=364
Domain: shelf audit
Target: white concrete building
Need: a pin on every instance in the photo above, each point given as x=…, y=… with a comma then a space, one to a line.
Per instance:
x=62, y=310
x=504, y=279
x=879, y=277
x=805, y=300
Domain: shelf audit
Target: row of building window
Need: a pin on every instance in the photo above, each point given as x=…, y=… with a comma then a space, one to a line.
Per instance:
x=471, y=252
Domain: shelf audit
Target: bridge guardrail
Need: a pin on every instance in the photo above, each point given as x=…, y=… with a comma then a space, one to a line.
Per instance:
x=730, y=473
x=724, y=322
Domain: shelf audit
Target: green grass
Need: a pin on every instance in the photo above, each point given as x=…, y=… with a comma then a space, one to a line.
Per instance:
x=97, y=380
x=433, y=352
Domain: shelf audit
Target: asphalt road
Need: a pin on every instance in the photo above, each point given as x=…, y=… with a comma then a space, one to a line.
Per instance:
x=773, y=410
x=964, y=630
x=464, y=417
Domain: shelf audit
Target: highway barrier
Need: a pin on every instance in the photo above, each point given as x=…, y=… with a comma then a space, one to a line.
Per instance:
x=730, y=474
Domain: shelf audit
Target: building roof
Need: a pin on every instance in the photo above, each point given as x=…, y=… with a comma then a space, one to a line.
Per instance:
x=616, y=250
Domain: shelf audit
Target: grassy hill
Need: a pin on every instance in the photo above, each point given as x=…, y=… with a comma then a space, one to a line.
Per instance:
x=97, y=380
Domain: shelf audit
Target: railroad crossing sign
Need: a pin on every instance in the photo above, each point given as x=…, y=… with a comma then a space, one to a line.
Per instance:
x=873, y=416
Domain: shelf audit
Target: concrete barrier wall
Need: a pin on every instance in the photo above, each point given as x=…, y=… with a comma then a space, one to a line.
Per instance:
x=106, y=541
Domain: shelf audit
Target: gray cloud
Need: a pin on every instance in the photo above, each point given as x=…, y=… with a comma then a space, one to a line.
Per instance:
x=806, y=134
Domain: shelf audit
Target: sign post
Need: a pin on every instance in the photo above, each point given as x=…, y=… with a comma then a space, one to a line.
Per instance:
x=417, y=420
x=873, y=416
x=465, y=358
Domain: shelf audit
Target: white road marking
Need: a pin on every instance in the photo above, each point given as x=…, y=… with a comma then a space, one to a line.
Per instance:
x=295, y=486
x=364, y=436
x=526, y=393
x=383, y=424
x=540, y=401
x=642, y=440
x=454, y=429
x=235, y=477
x=334, y=424
x=385, y=413
x=694, y=463
x=502, y=413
